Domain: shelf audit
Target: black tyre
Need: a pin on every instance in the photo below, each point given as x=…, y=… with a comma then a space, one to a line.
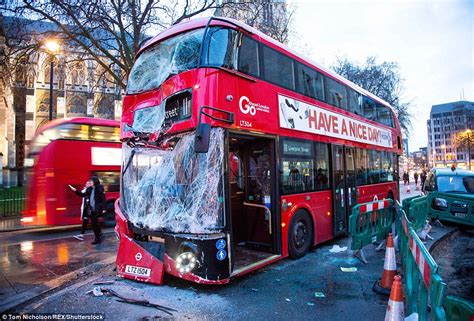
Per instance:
x=300, y=235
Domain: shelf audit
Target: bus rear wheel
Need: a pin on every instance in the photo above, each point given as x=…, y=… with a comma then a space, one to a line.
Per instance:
x=300, y=234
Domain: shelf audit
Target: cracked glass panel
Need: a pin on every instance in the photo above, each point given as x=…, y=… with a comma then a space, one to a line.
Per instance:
x=165, y=59
x=175, y=190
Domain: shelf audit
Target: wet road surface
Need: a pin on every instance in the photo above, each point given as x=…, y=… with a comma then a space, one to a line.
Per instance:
x=30, y=261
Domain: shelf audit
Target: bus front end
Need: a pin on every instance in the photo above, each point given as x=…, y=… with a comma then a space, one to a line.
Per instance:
x=170, y=215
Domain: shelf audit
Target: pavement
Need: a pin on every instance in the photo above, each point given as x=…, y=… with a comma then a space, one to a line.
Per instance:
x=56, y=274
x=37, y=261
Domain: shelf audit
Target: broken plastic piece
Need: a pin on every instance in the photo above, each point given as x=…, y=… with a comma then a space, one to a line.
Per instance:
x=348, y=269
x=319, y=295
x=97, y=291
x=288, y=300
x=336, y=249
x=255, y=290
x=310, y=303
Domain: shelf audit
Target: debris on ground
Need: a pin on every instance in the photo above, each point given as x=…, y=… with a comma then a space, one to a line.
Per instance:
x=254, y=290
x=319, y=295
x=288, y=300
x=348, y=269
x=336, y=249
x=98, y=291
x=310, y=303
x=104, y=282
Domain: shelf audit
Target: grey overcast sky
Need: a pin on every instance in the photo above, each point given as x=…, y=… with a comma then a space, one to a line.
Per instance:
x=431, y=40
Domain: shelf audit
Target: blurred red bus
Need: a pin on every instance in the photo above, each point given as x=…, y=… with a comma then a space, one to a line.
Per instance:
x=69, y=151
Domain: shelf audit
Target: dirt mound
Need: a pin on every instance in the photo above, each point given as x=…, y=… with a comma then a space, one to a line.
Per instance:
x=455, y=258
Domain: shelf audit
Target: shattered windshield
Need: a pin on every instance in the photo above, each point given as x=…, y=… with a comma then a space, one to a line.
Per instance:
x=175, y=190
x=165, y=59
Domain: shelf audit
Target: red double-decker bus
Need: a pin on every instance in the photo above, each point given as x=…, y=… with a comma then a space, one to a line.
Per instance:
x=69, y=151
x=238, y=152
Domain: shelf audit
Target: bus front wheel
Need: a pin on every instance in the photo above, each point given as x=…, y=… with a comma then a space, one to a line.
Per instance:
x=300, y=234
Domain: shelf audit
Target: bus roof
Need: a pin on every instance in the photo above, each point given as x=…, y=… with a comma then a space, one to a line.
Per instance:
x=78, y=120
x=202, y=22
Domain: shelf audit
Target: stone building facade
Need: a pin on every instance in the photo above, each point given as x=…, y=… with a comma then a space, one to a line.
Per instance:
x=80, y=88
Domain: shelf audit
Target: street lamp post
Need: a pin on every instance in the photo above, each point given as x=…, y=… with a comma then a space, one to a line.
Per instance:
x=53, y=47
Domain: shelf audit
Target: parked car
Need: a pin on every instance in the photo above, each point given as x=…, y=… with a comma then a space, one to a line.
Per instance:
x=451, y=195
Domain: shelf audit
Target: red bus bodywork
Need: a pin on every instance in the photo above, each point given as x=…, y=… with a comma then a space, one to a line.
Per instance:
x=224, y=89
x=49, y=201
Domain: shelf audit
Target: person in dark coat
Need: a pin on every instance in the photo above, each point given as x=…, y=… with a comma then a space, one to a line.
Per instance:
x=95, y=195
x=85, y=210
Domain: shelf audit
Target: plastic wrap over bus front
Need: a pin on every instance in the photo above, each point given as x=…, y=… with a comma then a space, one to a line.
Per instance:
x=175, y=190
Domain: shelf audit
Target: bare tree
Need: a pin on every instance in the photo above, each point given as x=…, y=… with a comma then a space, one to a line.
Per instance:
x=108, y=31
x=381, y=79
x=273, y=18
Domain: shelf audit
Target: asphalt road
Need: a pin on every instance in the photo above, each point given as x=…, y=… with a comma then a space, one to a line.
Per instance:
x=313, y=287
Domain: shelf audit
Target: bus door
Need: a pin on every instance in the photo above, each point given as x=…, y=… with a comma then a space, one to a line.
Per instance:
x=252, y=191
x=344, y=189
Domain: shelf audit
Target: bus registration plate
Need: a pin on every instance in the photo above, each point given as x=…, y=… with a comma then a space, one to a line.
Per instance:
x=136, y=270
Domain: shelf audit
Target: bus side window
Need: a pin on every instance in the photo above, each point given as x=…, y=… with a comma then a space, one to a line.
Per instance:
x=335, y=93
x=278, y=68
x=309, y=82
x=248, y=57
x=354, y=101
x=361, y=167
x=369, y=109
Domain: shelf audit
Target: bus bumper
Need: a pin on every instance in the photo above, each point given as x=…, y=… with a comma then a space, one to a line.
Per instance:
x=201, y=259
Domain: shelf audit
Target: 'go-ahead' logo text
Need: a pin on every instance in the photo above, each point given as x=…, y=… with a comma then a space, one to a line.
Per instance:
x=248, y=107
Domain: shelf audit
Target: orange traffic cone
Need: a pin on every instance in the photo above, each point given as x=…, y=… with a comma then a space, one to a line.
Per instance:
x=395, y=308
x=384, y=284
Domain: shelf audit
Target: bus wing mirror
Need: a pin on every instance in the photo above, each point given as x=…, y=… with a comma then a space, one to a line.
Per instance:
x=203, y=136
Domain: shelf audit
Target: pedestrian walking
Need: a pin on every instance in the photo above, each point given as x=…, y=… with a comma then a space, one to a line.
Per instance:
x=415, y=176
x=405, y=179
x=423, y=178
x=85, y=209
x=95, y=195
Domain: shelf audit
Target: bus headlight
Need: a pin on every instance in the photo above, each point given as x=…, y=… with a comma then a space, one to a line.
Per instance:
x=185, y=262
x=440, y=203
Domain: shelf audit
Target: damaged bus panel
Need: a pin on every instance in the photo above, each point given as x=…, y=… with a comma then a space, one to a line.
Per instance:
x=227, y=162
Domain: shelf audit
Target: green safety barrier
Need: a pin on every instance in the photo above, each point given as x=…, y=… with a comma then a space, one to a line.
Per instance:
x=406, y=204
x=418, y=212
x=458, y=309
x=459, y=208
x=370, y=222
x=424, y=286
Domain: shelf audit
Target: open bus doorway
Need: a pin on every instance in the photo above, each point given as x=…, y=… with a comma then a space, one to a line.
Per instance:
x=252, y=183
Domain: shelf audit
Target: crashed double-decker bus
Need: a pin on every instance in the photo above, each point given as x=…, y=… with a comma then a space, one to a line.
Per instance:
x=237, y=152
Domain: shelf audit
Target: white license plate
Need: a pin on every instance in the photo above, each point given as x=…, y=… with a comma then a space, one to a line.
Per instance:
x=137, y=270
x=460, y=215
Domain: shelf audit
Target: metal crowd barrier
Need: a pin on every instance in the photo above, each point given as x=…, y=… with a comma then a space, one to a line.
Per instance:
x=369, y=223
x=424, y=288
x=11, y=203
